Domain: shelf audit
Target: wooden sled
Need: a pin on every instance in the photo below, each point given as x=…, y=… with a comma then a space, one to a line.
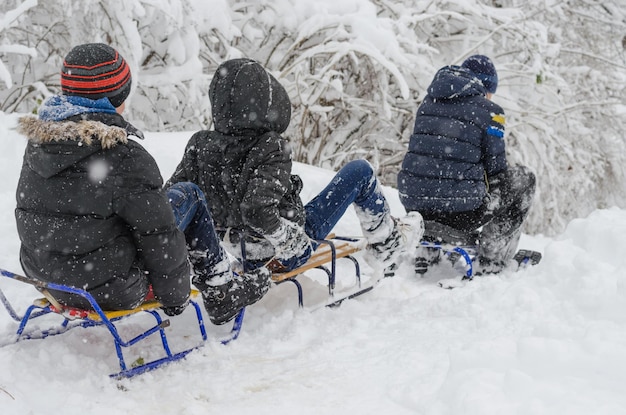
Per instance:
x=325, y=257
x=74, y=317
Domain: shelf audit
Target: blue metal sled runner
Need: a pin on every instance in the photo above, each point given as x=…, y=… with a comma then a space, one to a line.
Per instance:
x=460, y=247
x=73, y=317
x=326, y=256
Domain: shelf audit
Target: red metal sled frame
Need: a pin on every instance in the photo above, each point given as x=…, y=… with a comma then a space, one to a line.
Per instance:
x=73, y=317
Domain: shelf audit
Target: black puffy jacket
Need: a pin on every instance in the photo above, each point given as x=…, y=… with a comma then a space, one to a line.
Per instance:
x=457, y=145
x=244, y=166
x=91, y=213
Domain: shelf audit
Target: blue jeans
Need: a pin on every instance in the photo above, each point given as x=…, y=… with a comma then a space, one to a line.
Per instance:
x=193, y=217
x=354, y=183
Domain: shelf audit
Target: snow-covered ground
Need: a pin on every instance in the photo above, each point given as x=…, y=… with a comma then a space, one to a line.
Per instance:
x=546, y=340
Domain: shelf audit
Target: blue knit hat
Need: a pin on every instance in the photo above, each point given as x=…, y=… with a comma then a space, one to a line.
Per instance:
x=482, y=67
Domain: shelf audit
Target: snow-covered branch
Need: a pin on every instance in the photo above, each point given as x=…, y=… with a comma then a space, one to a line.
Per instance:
x=356, y=72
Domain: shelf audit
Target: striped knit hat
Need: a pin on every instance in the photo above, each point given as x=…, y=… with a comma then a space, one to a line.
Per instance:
x=94, y=71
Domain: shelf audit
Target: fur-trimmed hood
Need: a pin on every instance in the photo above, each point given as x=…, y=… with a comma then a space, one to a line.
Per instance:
x=84, y=131
x=54, y=146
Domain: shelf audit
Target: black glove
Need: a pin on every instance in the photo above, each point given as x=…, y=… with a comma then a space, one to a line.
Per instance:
x=291, y=244
x=175, y=310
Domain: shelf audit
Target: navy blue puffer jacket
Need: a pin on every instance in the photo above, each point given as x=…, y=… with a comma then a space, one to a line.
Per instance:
x=457, y=145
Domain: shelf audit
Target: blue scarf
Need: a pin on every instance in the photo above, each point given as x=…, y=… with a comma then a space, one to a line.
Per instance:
x=60, y=107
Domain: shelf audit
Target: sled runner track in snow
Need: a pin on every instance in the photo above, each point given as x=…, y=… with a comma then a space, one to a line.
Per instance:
x=96, y=316
x=327, y=254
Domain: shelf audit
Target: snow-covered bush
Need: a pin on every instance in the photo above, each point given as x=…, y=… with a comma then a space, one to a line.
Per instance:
x=356, y=70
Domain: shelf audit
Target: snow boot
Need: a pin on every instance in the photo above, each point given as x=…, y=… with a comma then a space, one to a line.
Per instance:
x=225, y=293
x=486, y=266
x=526, y=258
x=426, y=257
x=404, y=233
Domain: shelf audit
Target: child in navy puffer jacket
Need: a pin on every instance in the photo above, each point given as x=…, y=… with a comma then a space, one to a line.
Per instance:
x=455, y=171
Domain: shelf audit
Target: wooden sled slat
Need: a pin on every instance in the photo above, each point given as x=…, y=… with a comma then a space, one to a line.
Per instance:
x=325, y=258
x=323, y=255
x=73, y=313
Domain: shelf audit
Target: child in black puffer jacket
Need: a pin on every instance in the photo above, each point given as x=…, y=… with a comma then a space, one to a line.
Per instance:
x=244, y=168
x=92, y=213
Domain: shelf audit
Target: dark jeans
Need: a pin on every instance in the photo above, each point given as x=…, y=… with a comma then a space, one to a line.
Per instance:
x=193, y=217
x=354, y=183
x=501, y=227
